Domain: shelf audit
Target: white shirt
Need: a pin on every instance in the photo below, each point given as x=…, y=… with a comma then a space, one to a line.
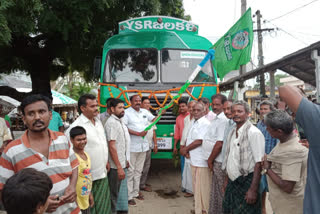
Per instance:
x=256, y=142
x=229, y=126
x=4, y=131
x=103, y=115
x=138, y=121
x=149, y=136
x=215, y=133
x=186, y=127
x=197, y=131
x=210, y=116
x=96, y=145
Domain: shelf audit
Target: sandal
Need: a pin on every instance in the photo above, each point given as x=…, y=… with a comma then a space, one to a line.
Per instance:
x=139, y=197
x=147, y=189
x=132, y=203
x=188, y=195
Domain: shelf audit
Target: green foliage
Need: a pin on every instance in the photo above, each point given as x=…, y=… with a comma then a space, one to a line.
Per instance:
x=5, y=33
x=277, y=78
x=174, y=8
x=175, y=109
x=50, y=38
x=176, y=160
x=78, y=89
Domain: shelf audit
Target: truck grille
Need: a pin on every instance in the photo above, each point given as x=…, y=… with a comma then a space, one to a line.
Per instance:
x=169, y=117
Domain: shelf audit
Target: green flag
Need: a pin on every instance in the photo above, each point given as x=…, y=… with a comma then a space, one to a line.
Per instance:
x=234, y=48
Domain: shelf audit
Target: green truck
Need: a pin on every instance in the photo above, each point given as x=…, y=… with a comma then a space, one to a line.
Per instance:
x=153, y=56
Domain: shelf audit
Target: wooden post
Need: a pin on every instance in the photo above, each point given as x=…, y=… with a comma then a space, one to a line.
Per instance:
x=316, y=58
x=272, y=85
x=260, y=53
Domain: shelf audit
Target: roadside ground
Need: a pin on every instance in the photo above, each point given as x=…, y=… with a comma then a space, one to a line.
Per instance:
x=166, y=196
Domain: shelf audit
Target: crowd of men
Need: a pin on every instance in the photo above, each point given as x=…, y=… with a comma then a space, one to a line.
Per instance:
x=229, y=164
x=101, y=163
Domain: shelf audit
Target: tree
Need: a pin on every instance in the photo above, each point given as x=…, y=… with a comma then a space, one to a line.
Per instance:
x=48, y=39
x=79, y=89
x=277, y=78
x=277, y=82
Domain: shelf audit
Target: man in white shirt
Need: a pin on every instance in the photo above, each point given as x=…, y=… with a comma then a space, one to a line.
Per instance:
x=201, y=175
x=136, y=119
x=105, y=115
x=208, y=113
x=186, y=174
x=97, y=149
x=118, y=142
x=244, y=152
x=229, y=126
x=212, y=146
x=151, y=137
x=4, y=133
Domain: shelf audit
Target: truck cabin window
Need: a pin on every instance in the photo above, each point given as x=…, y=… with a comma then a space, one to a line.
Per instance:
x=131, y=66
x=178, y=65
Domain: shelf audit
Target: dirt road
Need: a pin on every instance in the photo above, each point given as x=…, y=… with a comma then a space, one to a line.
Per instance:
x=166, y=196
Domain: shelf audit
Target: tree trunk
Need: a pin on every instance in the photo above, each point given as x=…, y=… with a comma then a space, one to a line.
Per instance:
x=40, y=77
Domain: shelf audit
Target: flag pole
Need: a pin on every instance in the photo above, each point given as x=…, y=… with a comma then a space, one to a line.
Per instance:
x=209, y=56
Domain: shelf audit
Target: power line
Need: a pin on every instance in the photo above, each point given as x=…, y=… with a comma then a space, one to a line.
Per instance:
x=293, y=36
x=298, y=8
x=307, y=34
x=278, y=28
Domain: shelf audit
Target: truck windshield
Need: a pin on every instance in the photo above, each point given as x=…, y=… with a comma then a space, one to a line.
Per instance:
x=177, y=66
x=131, y=66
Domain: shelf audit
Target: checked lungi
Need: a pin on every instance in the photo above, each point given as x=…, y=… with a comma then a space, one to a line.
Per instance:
x=216, y=195
x=122, y=203
x=101, y=197
x=234, y=199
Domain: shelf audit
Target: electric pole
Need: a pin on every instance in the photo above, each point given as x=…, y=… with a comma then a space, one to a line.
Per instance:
x=243, y=6
x=260, y=53
x=243, y=10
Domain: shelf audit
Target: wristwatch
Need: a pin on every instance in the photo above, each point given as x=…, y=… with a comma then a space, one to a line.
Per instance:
x=264, y=171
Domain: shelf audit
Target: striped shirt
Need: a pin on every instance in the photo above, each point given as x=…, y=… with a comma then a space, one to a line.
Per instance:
x=59, y=165
x=270, y=141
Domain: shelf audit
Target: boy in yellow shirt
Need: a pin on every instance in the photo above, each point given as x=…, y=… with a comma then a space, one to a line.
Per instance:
x=78, y=138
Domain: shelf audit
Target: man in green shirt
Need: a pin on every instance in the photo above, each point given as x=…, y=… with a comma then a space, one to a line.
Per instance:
x=56, y=123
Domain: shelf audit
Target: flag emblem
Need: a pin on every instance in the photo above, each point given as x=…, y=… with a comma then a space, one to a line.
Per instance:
x=240, y=40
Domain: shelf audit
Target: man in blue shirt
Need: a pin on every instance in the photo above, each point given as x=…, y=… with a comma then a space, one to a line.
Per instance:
x=307, y=116
x=56, y=123
x=265, y=107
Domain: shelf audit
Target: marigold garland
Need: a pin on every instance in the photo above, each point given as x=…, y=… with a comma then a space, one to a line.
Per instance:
x=152, y=94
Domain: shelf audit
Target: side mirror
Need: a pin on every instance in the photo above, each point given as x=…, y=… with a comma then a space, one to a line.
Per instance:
x=97, y=67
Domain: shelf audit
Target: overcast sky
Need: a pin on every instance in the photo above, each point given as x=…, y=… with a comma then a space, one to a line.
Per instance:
x=215, y=17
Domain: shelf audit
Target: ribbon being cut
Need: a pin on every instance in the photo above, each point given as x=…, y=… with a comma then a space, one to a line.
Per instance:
x=209, y=56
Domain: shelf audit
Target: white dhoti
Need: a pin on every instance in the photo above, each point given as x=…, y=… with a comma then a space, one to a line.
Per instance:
x=187, y=176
